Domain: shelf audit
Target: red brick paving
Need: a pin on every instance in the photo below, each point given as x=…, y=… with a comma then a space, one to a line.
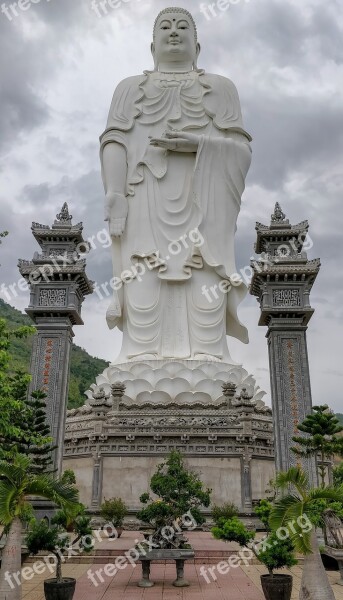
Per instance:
x=239, y=584
x=234, y=586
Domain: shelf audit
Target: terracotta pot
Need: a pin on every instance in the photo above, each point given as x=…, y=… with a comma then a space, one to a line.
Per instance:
x=64, y=590
x=277, y=587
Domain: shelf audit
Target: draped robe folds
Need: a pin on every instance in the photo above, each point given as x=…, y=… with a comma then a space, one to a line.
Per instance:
x=183, y=209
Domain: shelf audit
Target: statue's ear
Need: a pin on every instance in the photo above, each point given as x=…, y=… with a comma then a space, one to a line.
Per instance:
x=195, y=63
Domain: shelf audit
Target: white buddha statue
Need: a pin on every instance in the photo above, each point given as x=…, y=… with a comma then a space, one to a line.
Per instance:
x=174, y=160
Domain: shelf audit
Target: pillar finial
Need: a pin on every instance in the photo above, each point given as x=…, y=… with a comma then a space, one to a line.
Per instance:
x=64, y=217
x=278, y=215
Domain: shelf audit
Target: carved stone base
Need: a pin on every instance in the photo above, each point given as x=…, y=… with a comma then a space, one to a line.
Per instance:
x=138, y=412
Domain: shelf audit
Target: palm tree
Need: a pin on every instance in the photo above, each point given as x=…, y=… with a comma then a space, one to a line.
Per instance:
x=287, y=509
x=17, y=484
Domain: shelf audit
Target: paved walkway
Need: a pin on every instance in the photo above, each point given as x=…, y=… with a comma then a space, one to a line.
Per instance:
x=241, y=583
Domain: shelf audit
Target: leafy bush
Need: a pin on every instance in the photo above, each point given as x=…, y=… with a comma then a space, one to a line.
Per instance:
x=338, y=475
x=180, y=495
x=66, y=518
x=68, y=476
x=233, y=530
x=114, y=510
x=262, y=511
x=54, y=539
x=276, y=553
x=272, y=552
x=226, y=511
x=179, y=491
x=317, y=507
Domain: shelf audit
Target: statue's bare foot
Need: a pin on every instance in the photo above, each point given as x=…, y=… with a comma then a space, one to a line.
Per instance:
x=144, y=357
x=208, y=357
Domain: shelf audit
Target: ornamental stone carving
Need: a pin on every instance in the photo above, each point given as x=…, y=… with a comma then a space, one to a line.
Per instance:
x=52, y=297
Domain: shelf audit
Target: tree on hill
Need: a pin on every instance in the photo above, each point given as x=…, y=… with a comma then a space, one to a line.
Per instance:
x=13, y=386
x=321, y=428
x=83, y=368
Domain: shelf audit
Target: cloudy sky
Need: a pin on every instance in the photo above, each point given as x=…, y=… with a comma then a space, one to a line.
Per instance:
x=60, y=62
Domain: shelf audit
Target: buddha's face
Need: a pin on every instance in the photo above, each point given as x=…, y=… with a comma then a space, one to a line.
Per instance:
x=174, y=39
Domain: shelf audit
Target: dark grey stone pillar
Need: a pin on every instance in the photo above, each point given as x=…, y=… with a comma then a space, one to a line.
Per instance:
x=282, y=282
x=58, y=285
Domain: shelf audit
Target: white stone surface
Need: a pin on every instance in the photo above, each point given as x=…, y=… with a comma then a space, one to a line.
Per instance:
x=163, y=382
x=174, y=160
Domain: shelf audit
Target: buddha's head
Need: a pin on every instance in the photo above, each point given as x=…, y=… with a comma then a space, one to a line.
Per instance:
x=175, y=38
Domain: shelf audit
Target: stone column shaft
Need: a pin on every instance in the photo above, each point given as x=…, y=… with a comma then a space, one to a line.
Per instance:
x=50, y=366
x=290, y=389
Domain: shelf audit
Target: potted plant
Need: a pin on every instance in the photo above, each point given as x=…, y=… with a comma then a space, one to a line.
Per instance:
x=179, y=496
x=113, y=511
x=18, y=485
x=56, y=541
x=178, y=492
x=272, y=552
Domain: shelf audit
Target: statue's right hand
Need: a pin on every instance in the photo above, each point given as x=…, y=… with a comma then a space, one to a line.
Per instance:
x=116, y=211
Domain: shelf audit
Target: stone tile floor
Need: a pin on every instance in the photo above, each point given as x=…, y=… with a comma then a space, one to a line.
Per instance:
x=242, y=583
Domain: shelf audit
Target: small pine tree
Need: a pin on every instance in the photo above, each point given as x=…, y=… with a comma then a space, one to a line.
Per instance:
x=35, y=440
x=321, y=428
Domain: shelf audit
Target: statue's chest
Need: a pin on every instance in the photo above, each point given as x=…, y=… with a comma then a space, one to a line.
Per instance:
x=178, y=101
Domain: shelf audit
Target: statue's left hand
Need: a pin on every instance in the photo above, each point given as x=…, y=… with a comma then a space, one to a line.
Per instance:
x=177, y=141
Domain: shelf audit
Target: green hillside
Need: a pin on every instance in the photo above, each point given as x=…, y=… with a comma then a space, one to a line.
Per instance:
x=83, y=369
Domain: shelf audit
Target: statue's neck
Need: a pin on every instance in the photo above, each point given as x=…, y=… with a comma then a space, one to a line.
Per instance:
x=175, y=67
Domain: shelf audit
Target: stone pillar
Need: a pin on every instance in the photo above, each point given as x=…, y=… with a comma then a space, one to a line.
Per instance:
x=50, y=361
x=282, y=281
x=246, y=482
x=58, y=284
x=97, y=480
x=290, y=387
x=229, y=390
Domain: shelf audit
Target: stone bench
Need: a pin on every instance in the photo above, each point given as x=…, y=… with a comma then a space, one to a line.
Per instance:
x=180, y=557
